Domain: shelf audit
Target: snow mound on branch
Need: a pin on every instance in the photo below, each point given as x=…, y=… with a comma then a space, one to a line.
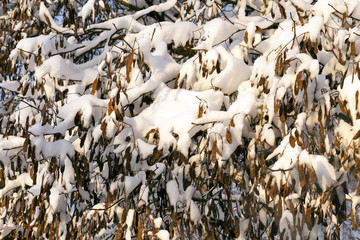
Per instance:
x=325, y=172
x=54, y=66
x=172, y=124
x=87, y=10
x=215, y=32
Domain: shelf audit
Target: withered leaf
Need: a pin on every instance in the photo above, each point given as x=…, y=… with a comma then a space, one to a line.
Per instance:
x=320, y=115
x=341, y=105
x=259, y=29
x=129, y=62
x=252, y=168
x=237, y=227
x=110, y=107
x=357, y=135
x=354, y=219
x=26, y=143
x=282, y=114
x=232, y=124
x=213, y=152
x=94, y=86
x=262, y=81
x=358, y=190
x=147, y=136
x=47, y=19
x=228, y=136
x=353, y=49
x=103, y=128
x=302, y=175
x=201, y=111
x=312, y=175
x=292, y=141
x=282, y=11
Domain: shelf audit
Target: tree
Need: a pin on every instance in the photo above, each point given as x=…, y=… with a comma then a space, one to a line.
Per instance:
x=179, y=119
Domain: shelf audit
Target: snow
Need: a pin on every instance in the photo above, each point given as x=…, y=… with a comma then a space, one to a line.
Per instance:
x=87, y=10
x=20, y=181
x=216, y=31
x=145, y=148
x=129, y=222
x=158, y=222
x=57, y=199
x=159, y=115
x=46, y=17
x=54, y=67
x=286, y=221
x=195, y=214
x=131, y=183
x=10, y=85
x=324, y=170
x=60, y=148
x=172, y=190
x=163, y=235
x=315, y=25
x=268, y=135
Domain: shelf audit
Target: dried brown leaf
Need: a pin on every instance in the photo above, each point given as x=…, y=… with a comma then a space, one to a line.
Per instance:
x=354, y=219
x=95, y=86
x=213, y=152
x=110, y=107
x=201, y=111
x=228, y=136
x=341, y=105
x=357, y=135
x=232, y=124
x=292, y=141
x=259, y=29
x=353, y=49
x=103, y=128
x=129, y=62
x=237, y=227
x=282, y=11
